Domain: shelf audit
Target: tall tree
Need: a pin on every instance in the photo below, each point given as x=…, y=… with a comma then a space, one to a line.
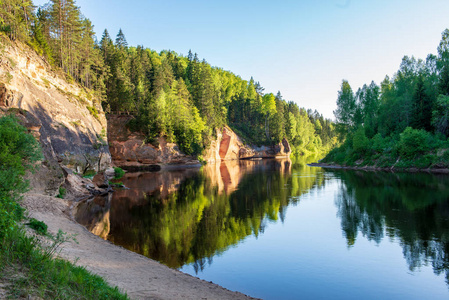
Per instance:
x=346, y=107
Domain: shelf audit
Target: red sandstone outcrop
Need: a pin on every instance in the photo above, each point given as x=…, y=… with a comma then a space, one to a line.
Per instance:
x=229, y=146
x=128, y=149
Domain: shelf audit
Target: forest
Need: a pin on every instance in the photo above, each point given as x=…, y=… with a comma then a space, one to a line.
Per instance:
x=181, y=98
x=404, y=122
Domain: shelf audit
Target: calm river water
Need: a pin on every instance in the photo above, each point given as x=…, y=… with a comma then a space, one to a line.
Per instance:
x=278, y=229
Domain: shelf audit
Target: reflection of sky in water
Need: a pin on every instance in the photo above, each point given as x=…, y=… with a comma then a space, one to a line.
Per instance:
x=282, y=231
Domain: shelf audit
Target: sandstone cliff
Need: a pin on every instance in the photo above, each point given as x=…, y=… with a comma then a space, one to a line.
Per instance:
x=65, y=117
x=129, y=150
x=229, y=146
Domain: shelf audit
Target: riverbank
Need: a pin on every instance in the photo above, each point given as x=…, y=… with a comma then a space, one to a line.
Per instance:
x=385, y=169
x=138, y=276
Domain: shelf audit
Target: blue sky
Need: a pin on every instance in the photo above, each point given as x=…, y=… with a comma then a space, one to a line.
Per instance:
x=302, y=48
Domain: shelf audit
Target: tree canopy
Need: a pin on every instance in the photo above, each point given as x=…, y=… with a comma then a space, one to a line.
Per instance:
x=412, y=105
x=181, y=98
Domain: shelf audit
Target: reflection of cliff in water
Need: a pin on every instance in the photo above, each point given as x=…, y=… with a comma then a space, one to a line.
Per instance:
x=187, y=216
x=413, y=208
x=94, y=215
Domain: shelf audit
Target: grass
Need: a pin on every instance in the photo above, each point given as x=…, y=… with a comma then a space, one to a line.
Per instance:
x=7, y=77
x=47, y=83
x=89, y=174
x=30, y=269
x=93, y=111
x=76, y=123
x=12, y=62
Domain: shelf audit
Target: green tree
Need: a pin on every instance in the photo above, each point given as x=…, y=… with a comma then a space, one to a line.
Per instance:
x=268, y=109
x=443, y=63
x=346, y=108
x=440, y=115
x=18, y=153
x=422, y=107
x=360, y=143
x=16, y=17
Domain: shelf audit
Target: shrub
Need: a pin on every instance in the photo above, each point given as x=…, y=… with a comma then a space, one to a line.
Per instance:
x=18, y=152
x=119, y=173
x=89, y=174
x=62, y=192
x=413, y=142
x=379, y=144
x=360, y=143
x=93, y=111
x=39, y=226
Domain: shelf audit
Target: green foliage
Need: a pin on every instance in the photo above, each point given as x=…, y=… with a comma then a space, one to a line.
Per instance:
x=182, y=99
x=44, y=276
x=379, y=144
x=62, y=192
x=360, y=142
x=39, y=226
x=15, y=17
x=118, y=173
x=440, y=115
x=400, y=116
x=93, y=111
x=89, y=174
x=413, y=142
x=346, y=105
x=40, y=273
x=18, y=152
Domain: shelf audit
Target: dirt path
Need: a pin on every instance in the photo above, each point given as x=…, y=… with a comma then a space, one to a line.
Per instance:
x=140, y=277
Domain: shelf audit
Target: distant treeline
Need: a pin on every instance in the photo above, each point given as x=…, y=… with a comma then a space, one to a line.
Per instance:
x=182, y=98
x=402, y=122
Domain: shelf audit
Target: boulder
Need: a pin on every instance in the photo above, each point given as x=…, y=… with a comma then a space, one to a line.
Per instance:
x=101, y=180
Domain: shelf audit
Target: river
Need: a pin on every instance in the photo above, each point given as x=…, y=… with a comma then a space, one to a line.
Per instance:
x=279, y=229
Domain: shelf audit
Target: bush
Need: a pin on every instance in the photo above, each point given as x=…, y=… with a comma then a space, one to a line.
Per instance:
x=18, y=152
x=39, y=226
x=89, y=174
x=360, y=143
x=62, y=192
x=119, y=173
x=93, y=111
x=379, y=144
x=414, y=142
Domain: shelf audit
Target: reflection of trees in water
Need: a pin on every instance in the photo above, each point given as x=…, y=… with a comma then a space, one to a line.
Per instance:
x=198, y=220
x=413, y=208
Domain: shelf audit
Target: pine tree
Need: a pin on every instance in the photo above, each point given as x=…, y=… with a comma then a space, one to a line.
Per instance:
x=120, y=40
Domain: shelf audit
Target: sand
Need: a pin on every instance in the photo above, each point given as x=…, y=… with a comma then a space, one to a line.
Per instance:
x=138, y=276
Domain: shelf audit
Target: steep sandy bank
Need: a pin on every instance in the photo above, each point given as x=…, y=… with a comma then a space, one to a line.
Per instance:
x=140, y=277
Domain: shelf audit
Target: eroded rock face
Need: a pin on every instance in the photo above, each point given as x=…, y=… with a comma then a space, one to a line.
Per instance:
x=281, y=150
x=54, y=111
x=129, y=150
x=228, y=146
